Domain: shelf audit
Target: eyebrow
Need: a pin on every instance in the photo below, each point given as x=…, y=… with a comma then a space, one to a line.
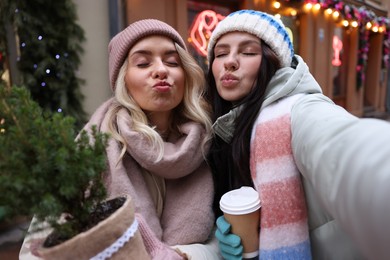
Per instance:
x=147, y=52
x=243, y=43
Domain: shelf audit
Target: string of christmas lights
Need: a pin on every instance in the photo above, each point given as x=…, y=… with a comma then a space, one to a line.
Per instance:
x=347, y=15
x=47, y=46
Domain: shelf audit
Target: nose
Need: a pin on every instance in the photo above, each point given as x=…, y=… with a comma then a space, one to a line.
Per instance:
x=160, y=71
x=231, y=62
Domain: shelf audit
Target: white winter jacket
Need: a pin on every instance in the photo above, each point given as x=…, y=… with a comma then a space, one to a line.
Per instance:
x=345, y=164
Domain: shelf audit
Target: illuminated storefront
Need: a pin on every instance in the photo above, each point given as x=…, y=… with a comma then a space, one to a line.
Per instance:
x=343, y=42
x=203, y=17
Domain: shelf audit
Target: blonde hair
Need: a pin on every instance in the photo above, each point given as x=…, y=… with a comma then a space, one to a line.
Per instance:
x=193, y=107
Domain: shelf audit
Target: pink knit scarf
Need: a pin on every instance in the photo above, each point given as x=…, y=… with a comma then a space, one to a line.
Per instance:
x=187, y=215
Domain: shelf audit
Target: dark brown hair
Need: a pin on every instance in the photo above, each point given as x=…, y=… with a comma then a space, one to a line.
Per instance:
x=230, y=161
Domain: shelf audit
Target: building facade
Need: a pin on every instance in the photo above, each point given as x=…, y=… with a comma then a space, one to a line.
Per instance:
x=344, y=43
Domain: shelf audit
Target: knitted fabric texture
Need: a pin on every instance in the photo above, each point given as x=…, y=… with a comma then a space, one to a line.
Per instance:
x=187, y=216
x=156, y=249
x=120, y=45
x=267, y=27
x=284, y=230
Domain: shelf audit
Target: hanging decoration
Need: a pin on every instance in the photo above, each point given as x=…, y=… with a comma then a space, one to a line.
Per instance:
x=349, y=15
x=386, y=43
x=362, y=57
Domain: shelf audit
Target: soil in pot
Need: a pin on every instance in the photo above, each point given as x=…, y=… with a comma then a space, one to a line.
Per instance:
x=102, y=211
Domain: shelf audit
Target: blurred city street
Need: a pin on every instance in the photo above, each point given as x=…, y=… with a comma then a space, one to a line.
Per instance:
x=347, y=51
x=11, y=237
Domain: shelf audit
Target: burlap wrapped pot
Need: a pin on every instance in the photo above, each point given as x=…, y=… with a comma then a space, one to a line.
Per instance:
x=97, y=242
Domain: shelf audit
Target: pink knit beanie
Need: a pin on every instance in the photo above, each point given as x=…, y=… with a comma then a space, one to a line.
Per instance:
x=120, y=45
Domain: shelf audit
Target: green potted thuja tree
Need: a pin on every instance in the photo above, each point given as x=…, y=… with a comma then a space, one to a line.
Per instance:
x=50, y=172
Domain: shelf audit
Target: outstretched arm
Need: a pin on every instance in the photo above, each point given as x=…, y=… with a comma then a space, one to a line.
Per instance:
x=347, y=161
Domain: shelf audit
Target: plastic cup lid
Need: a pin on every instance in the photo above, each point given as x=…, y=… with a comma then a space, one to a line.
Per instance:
x=240, y=201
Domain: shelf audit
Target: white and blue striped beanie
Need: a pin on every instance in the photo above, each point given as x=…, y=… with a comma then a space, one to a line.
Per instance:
x=267, y=27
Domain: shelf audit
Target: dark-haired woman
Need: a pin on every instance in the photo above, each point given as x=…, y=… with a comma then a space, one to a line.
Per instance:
x=322, y=174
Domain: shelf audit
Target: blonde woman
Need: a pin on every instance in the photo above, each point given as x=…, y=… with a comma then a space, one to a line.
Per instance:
x=160, y=126
x=160, y=129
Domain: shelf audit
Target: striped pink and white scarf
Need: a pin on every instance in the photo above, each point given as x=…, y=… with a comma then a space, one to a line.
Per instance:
x=284, y=232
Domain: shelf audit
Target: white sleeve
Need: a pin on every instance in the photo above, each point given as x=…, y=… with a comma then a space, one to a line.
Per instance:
x=347, y=161
x=25, y=250
x=207, y=251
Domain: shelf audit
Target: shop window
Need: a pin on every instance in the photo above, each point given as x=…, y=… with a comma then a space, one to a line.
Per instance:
x=117, y=16
x=292, y=27
x=202, y=19
x=340, y=44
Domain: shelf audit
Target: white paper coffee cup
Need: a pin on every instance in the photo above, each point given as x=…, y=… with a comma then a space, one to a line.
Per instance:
x=241, y=208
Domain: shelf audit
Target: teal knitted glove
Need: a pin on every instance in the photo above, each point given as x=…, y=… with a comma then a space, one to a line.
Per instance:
x=229, y=244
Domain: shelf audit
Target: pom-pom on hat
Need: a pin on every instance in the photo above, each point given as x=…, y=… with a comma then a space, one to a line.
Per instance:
x=120, y=45
x=267, y=27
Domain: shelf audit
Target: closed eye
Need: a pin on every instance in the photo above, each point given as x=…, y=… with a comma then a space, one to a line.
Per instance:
x=142, y=65
x=172, y=63
x=218, y=55
x=250, y=53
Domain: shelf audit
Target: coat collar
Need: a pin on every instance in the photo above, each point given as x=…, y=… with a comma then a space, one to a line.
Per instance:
x=224, y=126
